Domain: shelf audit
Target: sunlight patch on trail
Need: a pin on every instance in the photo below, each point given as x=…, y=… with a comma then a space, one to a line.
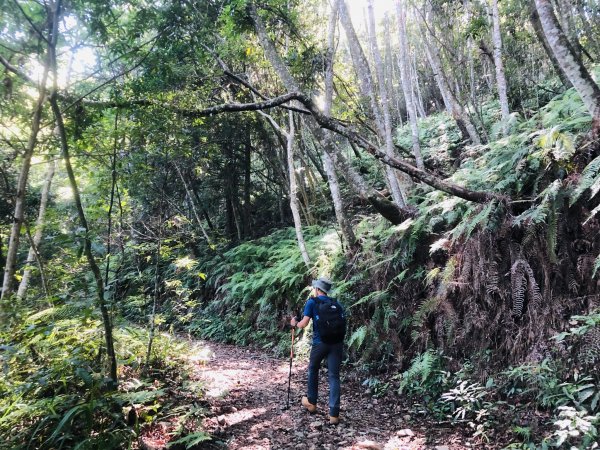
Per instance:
x=245, y=414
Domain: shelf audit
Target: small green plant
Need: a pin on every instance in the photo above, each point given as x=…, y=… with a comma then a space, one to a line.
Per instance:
x=576, y=427
x=376, y=387
x=467, y=401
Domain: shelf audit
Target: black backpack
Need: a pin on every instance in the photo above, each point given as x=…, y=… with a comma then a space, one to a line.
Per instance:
x=330, y=320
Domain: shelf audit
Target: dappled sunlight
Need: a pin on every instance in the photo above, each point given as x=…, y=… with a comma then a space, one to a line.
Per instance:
x=245, y=414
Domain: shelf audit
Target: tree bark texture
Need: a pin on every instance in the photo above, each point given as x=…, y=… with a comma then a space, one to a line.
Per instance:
x=500, y=77
x=397, y=194
x=570, y=62
x=19, y=211
x=539, y=32
x=406, y=83
x=87, y=242
x=294, y=191
x=32, y=256
x=332, y=179
x=386, y=208
x=452, y=104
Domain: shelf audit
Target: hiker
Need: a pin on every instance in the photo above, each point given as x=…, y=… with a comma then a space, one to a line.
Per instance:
x=329, y=326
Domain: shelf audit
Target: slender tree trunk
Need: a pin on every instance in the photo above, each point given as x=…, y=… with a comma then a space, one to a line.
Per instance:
x=568, y=26
x=589, y=33
x=109, y=214
x=455, y=108
x=387, y=209
x=193, y=204
x=417, y=87
x=471, y=59
x=87, y=243
x=247, y=188
x=570, y=62
x=332, y=179
x=155, y=294
x=500, y=77
x=397, y=193
x=539, y=32
x=406, y=84
x=10, y=266
x=361, y=66
x=389, y=70
x=293, y=191
x=33, y=254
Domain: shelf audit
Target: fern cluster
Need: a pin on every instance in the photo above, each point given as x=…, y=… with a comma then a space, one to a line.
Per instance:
x=52, y=393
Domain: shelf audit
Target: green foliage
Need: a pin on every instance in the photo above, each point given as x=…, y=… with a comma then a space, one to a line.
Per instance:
x=467, y=401
x=358, y=337
x=257, y=282
x=424, y=378
x=191, y=440
x=575, y=427
x=52, y=393
x=590, y=179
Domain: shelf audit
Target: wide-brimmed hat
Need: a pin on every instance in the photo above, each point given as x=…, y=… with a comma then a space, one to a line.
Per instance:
x=323, y=284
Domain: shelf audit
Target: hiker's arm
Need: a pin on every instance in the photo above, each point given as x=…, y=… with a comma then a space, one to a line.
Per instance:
x=304, y=322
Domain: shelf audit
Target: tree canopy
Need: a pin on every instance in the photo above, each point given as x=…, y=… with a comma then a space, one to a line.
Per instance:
x=191, y=166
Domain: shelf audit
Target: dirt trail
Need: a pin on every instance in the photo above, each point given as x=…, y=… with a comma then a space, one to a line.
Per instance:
x=247, y=393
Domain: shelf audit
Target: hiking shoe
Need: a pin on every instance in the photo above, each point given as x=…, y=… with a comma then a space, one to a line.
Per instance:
x=308, y=405
x=334, y=420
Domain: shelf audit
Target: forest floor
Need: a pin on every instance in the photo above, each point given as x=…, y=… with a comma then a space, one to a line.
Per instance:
x=246, y=395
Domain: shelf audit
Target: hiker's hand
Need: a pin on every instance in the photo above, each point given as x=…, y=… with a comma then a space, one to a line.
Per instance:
x=293, y=322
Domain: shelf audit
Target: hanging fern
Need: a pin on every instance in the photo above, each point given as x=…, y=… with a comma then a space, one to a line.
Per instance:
x=523, y=282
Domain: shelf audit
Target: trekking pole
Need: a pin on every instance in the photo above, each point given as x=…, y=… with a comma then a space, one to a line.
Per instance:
x=290, y=375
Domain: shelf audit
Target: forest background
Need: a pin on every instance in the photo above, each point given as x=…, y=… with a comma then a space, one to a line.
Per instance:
x=189, y=166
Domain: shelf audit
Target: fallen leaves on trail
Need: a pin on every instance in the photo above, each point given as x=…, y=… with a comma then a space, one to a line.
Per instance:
x=247, y=393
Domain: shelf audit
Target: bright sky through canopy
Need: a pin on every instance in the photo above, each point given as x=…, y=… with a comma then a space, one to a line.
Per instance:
x=358, y=10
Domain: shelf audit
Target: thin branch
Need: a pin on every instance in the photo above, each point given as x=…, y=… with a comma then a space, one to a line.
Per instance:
x=36, y=29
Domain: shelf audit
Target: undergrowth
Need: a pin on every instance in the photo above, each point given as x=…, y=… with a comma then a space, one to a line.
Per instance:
x=54, y=394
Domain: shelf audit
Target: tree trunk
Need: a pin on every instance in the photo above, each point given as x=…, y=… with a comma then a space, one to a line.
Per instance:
x=406, y=84
x=193, y=205
x=247, y=208
x=589, y=33
x=87, y=243
x=332, y=179
x=33, y=254
x=418, y=98
x=397, y=194
x=389, y=71
x=361, y=66
x=155, y=294
x=10, y=266
x=293, y=191
x=452, y=104
x=539, y=32
x=570, y=62
x=500, y=78
x=387, y=209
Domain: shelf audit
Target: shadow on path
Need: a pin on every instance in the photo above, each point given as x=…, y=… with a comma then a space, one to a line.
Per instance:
x=247, y=393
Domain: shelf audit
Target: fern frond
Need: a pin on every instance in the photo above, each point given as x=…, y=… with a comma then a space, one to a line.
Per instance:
x=590, y=178
x=55, y=313
x=420, y=368
x=523, y=282
x=493, y=279
x=358, y=337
